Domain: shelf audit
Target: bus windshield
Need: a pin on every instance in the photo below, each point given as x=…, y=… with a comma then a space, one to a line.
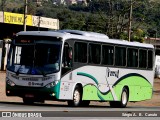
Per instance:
x=40, y=58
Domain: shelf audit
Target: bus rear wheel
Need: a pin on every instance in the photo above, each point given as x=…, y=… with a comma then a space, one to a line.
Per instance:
x=123, y=102
x=77, y=98
x=85, y=103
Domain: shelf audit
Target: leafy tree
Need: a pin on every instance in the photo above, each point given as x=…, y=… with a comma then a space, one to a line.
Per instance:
x=138, y=35
x=106, y=16
x=2, y=5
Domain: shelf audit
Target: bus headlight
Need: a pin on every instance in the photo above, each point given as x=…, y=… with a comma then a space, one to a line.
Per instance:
x=11, y=83
x=52, y=84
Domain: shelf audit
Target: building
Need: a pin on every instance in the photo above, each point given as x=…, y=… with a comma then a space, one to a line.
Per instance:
x=39, y=2
x=69, y=2
x=155, y=42
x=11, y=23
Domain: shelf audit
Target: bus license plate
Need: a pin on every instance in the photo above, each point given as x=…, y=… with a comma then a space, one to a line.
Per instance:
x=29, y=95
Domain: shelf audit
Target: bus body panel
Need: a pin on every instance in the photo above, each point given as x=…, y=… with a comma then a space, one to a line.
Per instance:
x=96, y=82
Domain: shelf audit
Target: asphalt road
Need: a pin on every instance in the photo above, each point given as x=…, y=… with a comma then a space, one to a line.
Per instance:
x=59, y=110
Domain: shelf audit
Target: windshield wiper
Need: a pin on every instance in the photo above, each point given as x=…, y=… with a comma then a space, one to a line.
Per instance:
x=33, y=71
x=43, y=73
x=17, y=72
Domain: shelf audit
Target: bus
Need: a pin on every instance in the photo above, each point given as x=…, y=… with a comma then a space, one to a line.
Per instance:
x=79, y=67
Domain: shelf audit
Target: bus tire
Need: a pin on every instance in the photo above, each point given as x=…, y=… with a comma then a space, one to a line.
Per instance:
x=123, y=102
x=42, y=101
x=77, y=98
x=28, y=101
x=85, y=103
x=124, y=98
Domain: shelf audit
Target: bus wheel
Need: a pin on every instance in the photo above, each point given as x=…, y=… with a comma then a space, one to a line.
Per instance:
x=123, y=102
x=77, y=98
x=42, y=101
x=85, y=103
x=124, y=98
x=28, y=101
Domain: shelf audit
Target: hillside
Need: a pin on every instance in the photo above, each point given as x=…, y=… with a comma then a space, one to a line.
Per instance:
x=100, y=16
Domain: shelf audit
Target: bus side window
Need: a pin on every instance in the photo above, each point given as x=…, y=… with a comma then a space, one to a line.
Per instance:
x=142, y=58
x=132, y=57
x=67, y=56
x=70, y=55
x=150, y=59
x=67, y=59
x=107, y=55
x=94, y=53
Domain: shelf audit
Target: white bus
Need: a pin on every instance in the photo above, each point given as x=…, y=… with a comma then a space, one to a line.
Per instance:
x=79, y=67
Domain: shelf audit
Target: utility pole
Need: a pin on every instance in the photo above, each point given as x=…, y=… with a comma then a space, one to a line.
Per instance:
x=25, y=14
x=110, y=20
x=130, y=21
x=3, y=2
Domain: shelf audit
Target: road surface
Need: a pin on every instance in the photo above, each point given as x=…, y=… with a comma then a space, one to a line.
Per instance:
x=59, y=110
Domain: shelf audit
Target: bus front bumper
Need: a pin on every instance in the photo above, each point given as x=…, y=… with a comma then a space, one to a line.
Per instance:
x=36, y=92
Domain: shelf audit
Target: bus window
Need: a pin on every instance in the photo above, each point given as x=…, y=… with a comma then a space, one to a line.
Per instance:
x=120, y=56
x=107, y=55
x=67, y=59
x=132, y=57
x=94, y=53
x=27, y=56
x=80, y=52
x=67, y=56
x=142, y=58
x=150, y=59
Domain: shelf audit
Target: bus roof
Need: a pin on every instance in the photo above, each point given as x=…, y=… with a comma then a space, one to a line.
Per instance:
x=84, y=35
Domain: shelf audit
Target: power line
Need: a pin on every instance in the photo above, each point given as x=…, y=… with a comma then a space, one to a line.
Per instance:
x=25, y=14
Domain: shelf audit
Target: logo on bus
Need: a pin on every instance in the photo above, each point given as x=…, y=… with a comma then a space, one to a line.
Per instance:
x=35, y=84
x=112, y=73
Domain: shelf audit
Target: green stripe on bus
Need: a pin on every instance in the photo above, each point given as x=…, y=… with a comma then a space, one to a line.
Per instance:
x=88, y=75
x=130, y=75
x=138, y=85
x=56, y=89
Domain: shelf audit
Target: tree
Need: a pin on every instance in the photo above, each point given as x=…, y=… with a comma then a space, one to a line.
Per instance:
x=107, y=16
x=3, y=4
x=138, y=35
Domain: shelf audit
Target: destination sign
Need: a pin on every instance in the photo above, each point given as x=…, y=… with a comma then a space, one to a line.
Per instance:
x=23, y=41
